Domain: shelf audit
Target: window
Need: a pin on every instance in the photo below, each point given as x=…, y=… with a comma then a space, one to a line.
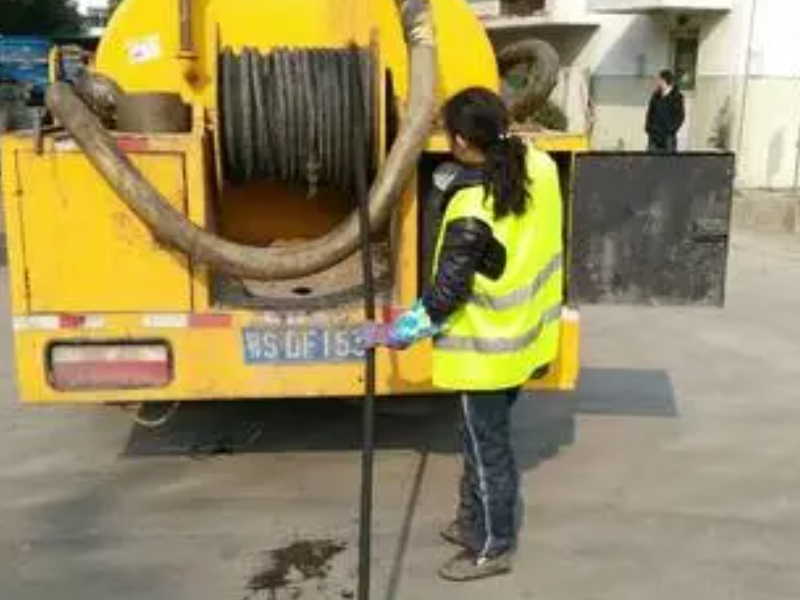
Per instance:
x=685, y=63
x=521, y=7
x=517, y=8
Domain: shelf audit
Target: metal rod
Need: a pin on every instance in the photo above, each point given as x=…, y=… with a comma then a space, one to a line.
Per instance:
x=368, y=416
x=187, y=41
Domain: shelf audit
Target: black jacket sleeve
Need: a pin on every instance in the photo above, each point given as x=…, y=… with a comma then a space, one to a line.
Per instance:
x=648, y=123
x=465, y=244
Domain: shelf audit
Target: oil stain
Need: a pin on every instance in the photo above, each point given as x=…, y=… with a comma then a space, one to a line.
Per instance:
x=308, y=558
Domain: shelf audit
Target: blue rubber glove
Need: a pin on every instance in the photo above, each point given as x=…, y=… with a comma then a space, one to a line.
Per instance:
x=410, y=327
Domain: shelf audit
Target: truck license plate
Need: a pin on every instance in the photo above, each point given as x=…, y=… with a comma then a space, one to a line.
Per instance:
x=302, y=345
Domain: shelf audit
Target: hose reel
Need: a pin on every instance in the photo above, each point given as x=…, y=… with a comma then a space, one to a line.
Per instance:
x=286, y=115
x=276, y=262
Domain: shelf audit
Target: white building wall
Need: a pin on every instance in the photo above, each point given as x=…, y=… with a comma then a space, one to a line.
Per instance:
x=83, y=5
x=751, y=99
x=747, y=96
x=608, y=60
x=716, y=99
x=567, y=10
x=623, y=57
x=769, y=112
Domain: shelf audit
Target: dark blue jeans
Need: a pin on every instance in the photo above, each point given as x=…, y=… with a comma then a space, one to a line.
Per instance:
x=490, y=483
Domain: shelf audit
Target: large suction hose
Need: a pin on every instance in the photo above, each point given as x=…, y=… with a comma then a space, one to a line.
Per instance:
x=287, y=262
x=541, y=63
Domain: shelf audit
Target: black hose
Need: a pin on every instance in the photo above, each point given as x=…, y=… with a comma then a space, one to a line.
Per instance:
x=288, y=115
x=360, y=185
x=248, y=130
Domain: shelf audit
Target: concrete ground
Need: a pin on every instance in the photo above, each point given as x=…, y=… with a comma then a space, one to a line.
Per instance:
x=683, y=480
x=767, y=211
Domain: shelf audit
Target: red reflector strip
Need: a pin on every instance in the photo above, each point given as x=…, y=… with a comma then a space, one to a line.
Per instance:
x=69, y=353
x=55, y=322
x=132, y=144
x=71, y=321
x=109, y=375
x=180, y=321
x=210, y=321
x=109, y=366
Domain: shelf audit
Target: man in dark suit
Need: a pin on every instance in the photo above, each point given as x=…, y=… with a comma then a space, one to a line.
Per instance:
x=665, y=115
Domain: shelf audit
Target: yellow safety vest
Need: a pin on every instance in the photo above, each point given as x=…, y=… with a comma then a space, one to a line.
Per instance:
x=510, y=327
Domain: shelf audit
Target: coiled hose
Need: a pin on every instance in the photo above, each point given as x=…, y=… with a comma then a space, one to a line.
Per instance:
x=274, y=263
x=287, y=115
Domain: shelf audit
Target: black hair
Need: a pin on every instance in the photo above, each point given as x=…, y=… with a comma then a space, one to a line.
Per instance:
x=668, y=76
x=481, y=117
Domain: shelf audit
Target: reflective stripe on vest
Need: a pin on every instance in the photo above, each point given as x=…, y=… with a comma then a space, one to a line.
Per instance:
x=510, y=326
x=522, y=295
x=499, y=345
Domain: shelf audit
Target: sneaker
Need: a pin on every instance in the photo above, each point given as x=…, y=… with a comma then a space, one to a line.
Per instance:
x=467, y=567
x=454, y=534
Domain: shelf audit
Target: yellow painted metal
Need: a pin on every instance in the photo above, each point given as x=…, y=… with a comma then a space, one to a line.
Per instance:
x=559, y=142
x=73, y=247
x=549, y=141
x=15, y=240
x=84, y=250
x=466, y=56
x=140, y=50
x=208, y=364
x=141, y=45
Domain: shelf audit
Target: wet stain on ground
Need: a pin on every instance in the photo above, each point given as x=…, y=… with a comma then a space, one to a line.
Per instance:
x=305, y=559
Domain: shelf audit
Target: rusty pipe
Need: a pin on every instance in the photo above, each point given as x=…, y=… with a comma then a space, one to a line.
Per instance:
x=187, y=40
x=187, y=56
x=174, y=229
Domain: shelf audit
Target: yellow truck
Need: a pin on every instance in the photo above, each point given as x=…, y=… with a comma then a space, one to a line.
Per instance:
x=186, y=228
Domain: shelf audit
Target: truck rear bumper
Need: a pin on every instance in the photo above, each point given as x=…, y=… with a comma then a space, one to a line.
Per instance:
x=236, y=355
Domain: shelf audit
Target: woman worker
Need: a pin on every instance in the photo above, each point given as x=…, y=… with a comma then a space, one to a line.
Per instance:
x=493, y=309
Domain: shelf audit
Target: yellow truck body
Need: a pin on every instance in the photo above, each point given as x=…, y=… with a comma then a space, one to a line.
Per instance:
x=86, y=273
x=84, y=269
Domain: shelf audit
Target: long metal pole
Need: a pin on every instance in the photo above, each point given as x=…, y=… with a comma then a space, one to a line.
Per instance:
x=187, y=41
x=368, y=416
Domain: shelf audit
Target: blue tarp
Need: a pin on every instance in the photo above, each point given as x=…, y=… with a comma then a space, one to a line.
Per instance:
x=23, y=60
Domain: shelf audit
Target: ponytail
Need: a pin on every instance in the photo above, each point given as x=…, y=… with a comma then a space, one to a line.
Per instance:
x=507, y=179
x=481, y=117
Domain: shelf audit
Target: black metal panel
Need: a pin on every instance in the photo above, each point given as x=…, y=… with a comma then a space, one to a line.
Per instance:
x=651, y=229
